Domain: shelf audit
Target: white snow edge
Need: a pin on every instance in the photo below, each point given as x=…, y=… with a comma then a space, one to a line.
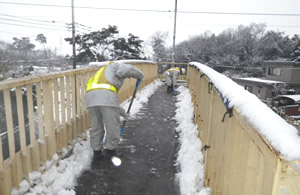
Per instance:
x=190, y=157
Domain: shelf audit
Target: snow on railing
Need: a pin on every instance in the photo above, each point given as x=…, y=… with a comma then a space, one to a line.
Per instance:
x=282, y=136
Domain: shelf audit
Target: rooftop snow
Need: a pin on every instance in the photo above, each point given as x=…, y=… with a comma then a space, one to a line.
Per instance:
x=282, y=136
x=120, y=61
x=296, y=98
x=259, y=80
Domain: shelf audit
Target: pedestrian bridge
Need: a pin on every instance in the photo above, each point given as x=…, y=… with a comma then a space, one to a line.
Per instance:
x=42, y=117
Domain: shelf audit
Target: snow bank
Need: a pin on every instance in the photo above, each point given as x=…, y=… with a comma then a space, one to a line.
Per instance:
x=282, y=136
x=140, y=100
x=190, y=157
x=60, y=179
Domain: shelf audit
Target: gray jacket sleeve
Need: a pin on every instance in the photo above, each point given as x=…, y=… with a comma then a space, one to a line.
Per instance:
x=129, y=71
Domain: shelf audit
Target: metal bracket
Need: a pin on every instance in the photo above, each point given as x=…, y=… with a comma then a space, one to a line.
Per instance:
x=210, y=87
x=229, y=111
x=205, y=147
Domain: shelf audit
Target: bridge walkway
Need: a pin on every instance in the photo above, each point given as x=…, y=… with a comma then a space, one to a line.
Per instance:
x=149, y=147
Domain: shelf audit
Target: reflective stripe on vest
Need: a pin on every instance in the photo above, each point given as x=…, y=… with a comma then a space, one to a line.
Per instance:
x=93, y=82
x=173, y=69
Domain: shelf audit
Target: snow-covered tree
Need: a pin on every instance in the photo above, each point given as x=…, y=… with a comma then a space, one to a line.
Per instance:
x=159, y=46
x=23, y=45
x=107, y=45
x=43, y=40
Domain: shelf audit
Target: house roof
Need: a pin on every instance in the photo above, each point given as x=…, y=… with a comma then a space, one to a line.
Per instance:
x=295, y=97
x=282, y=63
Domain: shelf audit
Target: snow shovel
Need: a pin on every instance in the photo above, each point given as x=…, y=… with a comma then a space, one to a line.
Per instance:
x=138, y=82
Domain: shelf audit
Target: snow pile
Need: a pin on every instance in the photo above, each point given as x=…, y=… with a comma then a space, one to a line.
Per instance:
x=282, y=136
x=190, y=157
x=60, y=179
x=141, y=98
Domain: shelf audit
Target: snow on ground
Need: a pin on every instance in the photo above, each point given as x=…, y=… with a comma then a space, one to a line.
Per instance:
x=190, y=157
x=282, y=136
x=61, y=179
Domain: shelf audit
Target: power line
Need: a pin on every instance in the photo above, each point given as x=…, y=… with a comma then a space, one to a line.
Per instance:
x=30, y=26
x=13, y=20
x=24, y=18
x=166, y=11
x=187, y=24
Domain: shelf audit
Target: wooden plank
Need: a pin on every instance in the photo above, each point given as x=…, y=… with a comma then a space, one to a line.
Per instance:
x=235, y=158
x=268, y=178
x=9, y=123
x=228, y=155
x=219, y=129
x=49, y=129
x=83, y=107
x=252, y=170
x=1, y=154
x=6, y=178
x=69, y=130
x=34, y=145
x=74, y=105
x=210, y=153
x=63, y=112
x=259, y=179
x=24, y=164
x=21, y=118
x=238, y=183
x=56, y=104
x=68, y=99
x=40, y=107
x=78, y=103
x=58, y=134
x=262, y=144
x=288, y=178
x=17, y=172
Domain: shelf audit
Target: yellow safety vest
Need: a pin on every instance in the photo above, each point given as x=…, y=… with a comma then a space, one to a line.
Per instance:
x=99, y=82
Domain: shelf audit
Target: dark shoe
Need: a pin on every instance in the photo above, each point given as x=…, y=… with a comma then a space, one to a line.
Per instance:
x=169, y=89
x=112, y=153
x=114, y=157
x=98, y=155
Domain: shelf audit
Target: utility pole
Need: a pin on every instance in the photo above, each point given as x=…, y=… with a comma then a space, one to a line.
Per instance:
x=73, y=36
x=174, y=34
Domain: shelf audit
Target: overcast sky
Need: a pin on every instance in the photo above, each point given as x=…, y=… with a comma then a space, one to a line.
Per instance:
x=142, y=18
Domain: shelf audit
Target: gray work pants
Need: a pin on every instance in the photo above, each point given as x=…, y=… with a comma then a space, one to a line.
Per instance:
x=105, y=120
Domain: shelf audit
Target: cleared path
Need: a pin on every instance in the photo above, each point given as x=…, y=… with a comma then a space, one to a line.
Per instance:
x=149, y=147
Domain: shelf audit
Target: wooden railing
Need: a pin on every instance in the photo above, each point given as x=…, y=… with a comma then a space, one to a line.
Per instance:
x=238, y=160
x=42, y=116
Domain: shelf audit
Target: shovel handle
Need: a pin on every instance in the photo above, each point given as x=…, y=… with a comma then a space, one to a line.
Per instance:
x=138, y=82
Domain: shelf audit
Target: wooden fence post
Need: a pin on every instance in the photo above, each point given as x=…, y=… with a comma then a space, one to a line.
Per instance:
x=49, y=123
